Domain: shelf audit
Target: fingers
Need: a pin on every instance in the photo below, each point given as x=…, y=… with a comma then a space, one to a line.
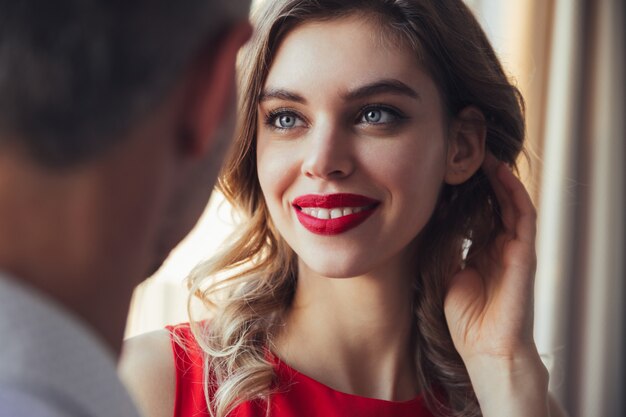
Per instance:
x=507, y=212
x=518, y=213
x=526, y=224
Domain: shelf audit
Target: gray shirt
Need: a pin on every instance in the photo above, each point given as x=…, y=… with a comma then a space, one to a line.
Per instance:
x=52, y=364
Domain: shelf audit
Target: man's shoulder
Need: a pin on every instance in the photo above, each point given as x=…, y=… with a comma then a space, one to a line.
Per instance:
x=17, y=398
x=25, y=387
x=52, y=362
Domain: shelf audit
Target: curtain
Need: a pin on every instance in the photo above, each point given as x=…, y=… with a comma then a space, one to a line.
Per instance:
x=570, y=67
x=568, y=59
x=580, y=289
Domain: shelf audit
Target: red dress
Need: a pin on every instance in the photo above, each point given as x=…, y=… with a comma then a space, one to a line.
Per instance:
x=299, y=396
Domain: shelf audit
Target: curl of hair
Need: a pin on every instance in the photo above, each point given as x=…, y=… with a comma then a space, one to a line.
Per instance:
x=251, y=283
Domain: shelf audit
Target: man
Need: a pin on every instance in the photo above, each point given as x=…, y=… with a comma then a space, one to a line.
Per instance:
x=111, y=137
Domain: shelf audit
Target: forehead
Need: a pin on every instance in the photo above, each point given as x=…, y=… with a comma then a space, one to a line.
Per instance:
x=342, y=54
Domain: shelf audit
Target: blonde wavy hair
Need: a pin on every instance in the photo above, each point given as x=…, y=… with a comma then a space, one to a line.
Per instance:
x=250, y=285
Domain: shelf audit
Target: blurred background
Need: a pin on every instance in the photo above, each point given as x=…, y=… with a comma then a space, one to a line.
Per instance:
x=567, y=57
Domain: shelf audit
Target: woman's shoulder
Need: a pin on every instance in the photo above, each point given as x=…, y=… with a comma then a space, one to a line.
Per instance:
x=148, y=369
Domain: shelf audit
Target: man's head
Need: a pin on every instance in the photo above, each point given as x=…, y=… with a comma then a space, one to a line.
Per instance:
x=114, y=119
x=75, y=75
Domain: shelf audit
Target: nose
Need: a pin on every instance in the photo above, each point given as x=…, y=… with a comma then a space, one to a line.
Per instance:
x=328, y=154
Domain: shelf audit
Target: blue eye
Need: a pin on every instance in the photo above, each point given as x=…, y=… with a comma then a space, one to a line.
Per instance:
x=373, y=116
x=285, y=120
x=378, y=116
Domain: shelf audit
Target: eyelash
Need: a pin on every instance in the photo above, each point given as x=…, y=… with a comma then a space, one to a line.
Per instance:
x=272, y=116
x=397, y=114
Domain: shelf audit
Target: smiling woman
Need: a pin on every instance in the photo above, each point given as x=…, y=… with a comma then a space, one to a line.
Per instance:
x=375, y=138
x=375, y=143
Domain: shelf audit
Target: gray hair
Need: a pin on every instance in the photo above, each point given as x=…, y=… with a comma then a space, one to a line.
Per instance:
x=76, y=74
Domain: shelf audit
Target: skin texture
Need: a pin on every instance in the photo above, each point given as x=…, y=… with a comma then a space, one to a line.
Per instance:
x=353, y=299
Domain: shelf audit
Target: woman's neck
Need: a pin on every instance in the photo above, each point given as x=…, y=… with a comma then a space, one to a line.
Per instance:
x=355, y=335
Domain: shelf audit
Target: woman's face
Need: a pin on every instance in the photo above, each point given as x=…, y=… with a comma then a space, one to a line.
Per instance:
x=351, y=149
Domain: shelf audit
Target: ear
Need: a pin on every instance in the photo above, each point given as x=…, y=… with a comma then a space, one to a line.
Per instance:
x=210, y=90
x=466, y=145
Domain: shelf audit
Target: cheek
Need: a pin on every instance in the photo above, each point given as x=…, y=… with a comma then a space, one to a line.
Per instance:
x=413, y=164
x=413, y=175
x=276, y=172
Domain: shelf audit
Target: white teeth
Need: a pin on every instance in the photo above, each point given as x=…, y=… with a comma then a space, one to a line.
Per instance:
x=323, y=214
x=334, y=213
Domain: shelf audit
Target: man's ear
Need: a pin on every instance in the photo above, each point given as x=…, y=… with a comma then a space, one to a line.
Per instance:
x=211, y=90
x=466, y=145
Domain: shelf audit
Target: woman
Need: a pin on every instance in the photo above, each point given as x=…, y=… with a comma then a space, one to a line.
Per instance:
x=386, y=262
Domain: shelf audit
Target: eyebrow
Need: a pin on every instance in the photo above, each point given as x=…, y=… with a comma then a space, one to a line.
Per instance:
x=280, y=94
x=386, y=86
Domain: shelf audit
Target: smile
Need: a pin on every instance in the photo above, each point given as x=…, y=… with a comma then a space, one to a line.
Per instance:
x=333, y=214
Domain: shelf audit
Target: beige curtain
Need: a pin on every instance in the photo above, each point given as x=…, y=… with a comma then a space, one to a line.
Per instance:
x=568, y=59
x=569, y=63
x=580, y=290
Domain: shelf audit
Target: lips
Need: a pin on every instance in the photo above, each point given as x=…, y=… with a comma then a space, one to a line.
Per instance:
x=333, y=214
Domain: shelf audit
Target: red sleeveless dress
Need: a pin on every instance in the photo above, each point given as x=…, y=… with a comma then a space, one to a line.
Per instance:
x=297, y=396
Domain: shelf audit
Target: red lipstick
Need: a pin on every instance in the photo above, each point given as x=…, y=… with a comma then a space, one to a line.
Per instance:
x=361, y=208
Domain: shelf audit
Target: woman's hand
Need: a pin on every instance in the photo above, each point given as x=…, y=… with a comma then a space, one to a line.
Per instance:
x=489, y=308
